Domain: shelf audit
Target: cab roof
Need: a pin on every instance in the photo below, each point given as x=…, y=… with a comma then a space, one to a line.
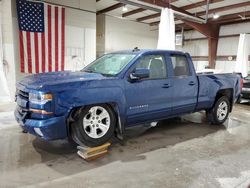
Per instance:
x=143, y=51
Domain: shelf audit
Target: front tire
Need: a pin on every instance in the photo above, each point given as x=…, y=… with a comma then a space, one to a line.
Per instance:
x=94, y=126
x=219, y=113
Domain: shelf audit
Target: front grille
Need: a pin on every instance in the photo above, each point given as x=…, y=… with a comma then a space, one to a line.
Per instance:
x=22, y=103
x=23, y=94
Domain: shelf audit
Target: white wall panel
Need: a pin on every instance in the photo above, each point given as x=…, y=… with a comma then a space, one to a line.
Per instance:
x=124, y=34
x=195, y=48
x=235, y=29
x=80, y=49
x=225, y=66
x=8, y=46
x=90, y=45
x=227, y=46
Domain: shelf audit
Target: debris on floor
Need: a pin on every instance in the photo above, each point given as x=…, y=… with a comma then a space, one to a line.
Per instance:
x=90, y=154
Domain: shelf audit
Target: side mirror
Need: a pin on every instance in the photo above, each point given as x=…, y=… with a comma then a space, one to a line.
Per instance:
x=139, y=73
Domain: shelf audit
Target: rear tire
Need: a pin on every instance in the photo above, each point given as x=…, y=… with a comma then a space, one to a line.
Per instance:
x=219, y=113
x=94, y=126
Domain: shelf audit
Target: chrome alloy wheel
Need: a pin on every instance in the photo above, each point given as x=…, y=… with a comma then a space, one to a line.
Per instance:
x=96, y=122
x=222, y=110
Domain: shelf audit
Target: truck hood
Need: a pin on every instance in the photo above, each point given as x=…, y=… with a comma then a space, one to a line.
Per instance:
x=39, y=81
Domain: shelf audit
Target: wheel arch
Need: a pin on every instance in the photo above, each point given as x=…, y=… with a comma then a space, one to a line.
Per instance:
x=227, y=93
x=75, y=111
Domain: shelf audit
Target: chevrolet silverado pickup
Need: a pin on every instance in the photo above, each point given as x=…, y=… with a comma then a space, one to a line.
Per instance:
x=245, y=93
x=119, y=90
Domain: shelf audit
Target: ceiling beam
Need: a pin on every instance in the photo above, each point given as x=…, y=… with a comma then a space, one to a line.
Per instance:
x=217, y=10
x=187, y=7
x=154, y=23
x=224, y=8
x=148, y=17
x=199, y=4
x=230, y=17
x=166, y=4
x=133, y=12
x=224, y=20
x=161, y=4
x=108, y=9
x=210, y=30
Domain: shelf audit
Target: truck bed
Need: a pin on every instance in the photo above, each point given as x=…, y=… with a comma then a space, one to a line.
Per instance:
x=209, y=84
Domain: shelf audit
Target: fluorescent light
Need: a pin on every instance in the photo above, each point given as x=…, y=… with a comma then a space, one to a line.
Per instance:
x=124, y=8
x=216, y=16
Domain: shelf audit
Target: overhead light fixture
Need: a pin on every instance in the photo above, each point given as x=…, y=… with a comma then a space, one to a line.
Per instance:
x=216, y=16
x=124, y=8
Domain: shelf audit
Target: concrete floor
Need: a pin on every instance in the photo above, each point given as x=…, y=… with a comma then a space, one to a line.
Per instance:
x=182, y=152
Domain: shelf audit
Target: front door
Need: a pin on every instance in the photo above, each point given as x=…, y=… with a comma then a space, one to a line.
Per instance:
x=151, y=98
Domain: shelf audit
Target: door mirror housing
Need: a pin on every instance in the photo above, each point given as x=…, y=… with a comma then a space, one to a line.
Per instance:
x=139, y=73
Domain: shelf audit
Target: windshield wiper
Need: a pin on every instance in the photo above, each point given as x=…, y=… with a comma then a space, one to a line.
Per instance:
x=87, y=70
x=91, y=71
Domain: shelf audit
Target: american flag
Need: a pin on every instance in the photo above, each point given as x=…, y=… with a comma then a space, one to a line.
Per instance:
x=41, y=36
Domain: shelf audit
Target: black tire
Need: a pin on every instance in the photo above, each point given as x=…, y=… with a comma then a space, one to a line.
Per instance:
x=80, y=134
x=212, y=113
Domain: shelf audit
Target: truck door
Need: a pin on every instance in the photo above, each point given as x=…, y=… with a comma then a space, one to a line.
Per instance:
x=149, y=98
x=185, y=84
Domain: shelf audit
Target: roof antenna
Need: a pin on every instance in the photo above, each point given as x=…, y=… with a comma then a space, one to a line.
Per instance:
x=136, y=49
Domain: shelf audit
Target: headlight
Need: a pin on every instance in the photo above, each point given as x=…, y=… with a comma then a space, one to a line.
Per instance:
x=40, y=98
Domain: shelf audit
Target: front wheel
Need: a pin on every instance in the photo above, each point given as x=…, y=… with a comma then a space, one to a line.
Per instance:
x=219, y=113
x=94, y=126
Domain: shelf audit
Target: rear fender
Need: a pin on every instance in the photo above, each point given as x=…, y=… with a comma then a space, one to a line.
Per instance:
x=228, y=93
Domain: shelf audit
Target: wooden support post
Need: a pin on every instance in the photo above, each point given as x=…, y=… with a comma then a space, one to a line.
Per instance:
x=212, y=51
x=211, y=31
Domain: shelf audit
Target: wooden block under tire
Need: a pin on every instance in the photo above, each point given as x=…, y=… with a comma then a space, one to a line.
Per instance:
x=90, y=154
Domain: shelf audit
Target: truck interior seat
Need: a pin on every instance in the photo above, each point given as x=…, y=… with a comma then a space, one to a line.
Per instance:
x=157, y=69
x=180, y=71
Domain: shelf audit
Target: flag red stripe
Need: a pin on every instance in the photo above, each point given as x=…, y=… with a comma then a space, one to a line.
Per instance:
x=63, y=38
x=43, y=53
x=21, y=51
x=56, y=38
x=36, y=52
x=29, y=52
x=49, y=40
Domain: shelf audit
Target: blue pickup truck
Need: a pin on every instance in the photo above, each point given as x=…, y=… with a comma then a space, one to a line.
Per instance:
x=120, y=90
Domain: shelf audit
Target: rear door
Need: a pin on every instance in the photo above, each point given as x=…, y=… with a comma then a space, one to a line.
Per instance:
x=185, y=84
x=150, y=98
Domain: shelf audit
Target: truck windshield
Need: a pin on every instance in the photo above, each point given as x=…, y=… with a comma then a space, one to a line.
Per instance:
x=109, y=64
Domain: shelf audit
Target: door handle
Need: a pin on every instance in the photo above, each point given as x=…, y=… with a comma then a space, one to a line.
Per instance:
x=191, y=83
x=166, y=86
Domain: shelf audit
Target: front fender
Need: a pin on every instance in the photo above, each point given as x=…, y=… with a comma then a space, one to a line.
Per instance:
x=67, y=100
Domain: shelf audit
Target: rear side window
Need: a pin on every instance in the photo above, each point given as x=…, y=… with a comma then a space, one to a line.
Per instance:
x=180, y=65
x=155, y=64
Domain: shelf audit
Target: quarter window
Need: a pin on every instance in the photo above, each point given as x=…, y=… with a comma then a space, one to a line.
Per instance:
x=155, y=64
x=180, y=65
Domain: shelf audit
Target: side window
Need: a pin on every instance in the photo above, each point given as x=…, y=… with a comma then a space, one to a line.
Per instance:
x=156, y=65
x=180, y=65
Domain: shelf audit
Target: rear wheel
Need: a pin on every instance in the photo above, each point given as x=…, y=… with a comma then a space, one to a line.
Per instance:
x=94, y=126
x=219, y=113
